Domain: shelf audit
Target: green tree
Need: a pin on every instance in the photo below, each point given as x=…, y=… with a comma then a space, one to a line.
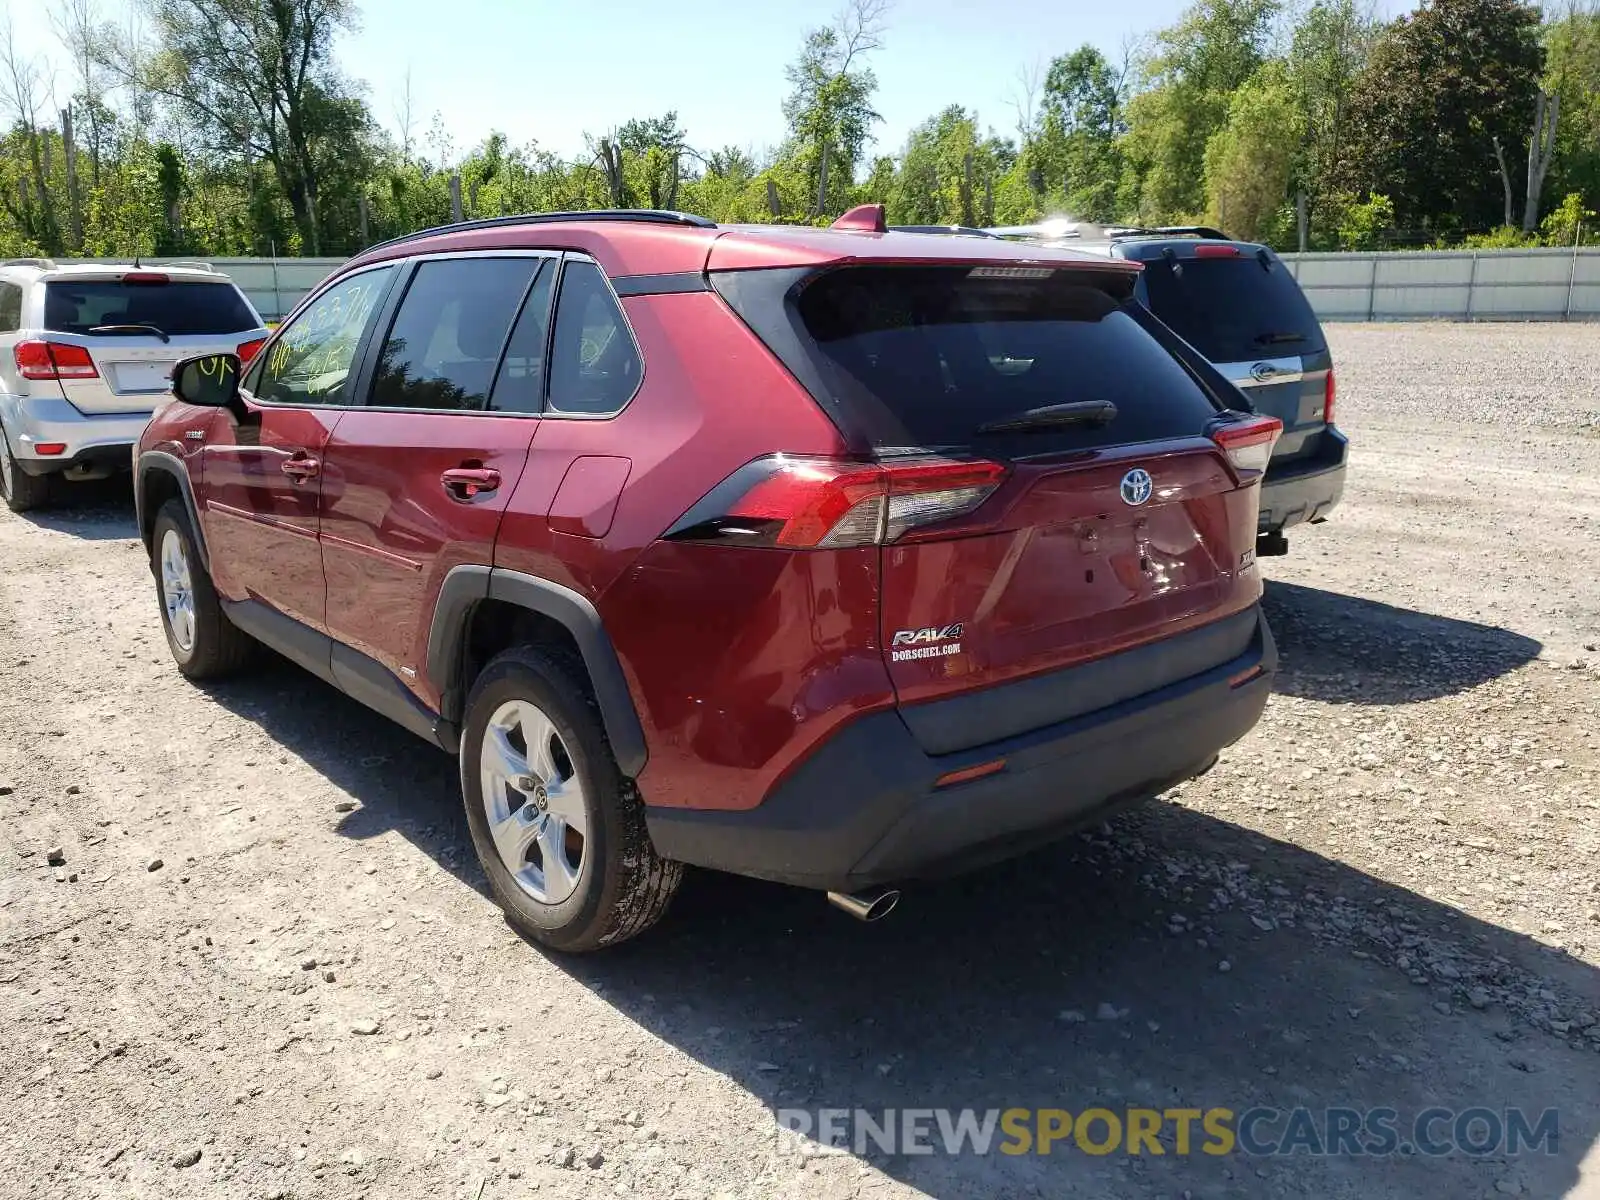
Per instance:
x=257, y=79
x=656, y=147
x=1443, y=84
x=1329, y=49
x=1248, y=160
x=949, y=172
x=1572, y=72
x=1188, y=84
x=829, y=107
x=28, y=187
x=1075, y=153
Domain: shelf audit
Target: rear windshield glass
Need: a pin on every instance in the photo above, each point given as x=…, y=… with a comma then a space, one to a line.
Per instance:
x=175, y=308
x=921, y=357
x=1233, y=309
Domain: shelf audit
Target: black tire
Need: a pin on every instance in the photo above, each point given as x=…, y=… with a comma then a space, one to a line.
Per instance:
x=21, y=492
x=623, y=886
x=217, y=647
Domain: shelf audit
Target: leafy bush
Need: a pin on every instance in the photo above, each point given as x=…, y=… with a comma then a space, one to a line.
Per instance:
x=1569, y=223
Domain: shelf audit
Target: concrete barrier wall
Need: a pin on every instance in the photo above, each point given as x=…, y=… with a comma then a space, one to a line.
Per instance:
x=1456, y=285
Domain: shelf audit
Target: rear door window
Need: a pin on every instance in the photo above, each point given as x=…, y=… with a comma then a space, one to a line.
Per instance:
x=921, y=357
x=176, y=307
x=1233, y=309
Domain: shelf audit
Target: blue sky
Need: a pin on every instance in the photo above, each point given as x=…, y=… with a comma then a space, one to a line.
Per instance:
x=552, y=69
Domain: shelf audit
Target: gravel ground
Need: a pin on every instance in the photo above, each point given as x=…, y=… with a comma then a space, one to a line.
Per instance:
x=264, y=963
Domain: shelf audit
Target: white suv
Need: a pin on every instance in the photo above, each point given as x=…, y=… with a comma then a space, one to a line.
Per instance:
x=86, y=352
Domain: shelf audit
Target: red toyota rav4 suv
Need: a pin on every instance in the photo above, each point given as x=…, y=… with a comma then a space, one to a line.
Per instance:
x=838, y=557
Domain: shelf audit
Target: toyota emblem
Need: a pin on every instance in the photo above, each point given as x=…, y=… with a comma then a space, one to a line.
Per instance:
x=1137, y=486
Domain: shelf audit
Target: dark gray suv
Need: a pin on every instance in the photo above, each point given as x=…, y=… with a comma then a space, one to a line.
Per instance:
x=1238, y=305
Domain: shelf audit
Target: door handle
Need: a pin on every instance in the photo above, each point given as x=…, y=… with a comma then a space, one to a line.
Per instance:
x=465, y=483
x=301, y=466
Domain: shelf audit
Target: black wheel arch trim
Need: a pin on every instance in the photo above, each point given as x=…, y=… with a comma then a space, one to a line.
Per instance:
x=151, y=462
x=464, y=587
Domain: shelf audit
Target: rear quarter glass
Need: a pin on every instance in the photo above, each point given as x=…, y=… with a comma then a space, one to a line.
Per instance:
x=910, y=358
x=1232, y=309
x=177, y=307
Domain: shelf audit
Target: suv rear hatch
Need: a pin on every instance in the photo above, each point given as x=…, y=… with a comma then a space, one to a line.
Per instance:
x=1019, y=537
x=1238, y=305
x=114, y=338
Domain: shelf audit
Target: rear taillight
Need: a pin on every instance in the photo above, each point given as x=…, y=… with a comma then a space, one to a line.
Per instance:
x=1328, y=390
x=1212, y=251
x=248, y=350
x=824, y=504
x=1248, y=443
x=146, y=277
x=53, y=360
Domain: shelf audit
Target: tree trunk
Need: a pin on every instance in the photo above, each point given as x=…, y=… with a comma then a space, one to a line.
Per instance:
x=822, y=180
x=74, y=195
x=611, y=163
x=1541, y=149
x=1505, y=178
x=313, y=219
x=45, y=230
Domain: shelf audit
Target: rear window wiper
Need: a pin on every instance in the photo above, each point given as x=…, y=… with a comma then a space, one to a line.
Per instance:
x=146, y=329
x=1278, y=339
x=1055, y=416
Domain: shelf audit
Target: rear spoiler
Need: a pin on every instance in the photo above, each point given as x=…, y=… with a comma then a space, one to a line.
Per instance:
x=1194, y=231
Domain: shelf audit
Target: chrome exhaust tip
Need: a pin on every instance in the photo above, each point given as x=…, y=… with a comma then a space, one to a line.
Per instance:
x=874, y=904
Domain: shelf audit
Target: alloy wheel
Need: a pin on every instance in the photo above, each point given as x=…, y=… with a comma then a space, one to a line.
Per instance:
x=177, y=591
x=534, y=801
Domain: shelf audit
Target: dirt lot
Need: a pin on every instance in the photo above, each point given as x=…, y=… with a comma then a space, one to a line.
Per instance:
x=267, y=966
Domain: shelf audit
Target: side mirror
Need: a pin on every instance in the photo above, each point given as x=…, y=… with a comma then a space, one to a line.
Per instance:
x=209, y=381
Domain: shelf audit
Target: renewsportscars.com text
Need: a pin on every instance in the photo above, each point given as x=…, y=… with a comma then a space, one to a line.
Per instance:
x=1178, y=1131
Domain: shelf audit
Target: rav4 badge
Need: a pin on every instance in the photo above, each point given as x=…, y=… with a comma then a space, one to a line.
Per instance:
x=930, y=642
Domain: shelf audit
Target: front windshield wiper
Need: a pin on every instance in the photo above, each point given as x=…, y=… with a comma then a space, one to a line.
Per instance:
x=146, y=329
x=1055, y=416
x=1277, y=339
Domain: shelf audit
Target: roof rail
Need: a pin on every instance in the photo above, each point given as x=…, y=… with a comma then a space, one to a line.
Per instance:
x=1195, y=231
x=964, y=230
x=191, y=265
x=46, y=264
x=656, y=216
